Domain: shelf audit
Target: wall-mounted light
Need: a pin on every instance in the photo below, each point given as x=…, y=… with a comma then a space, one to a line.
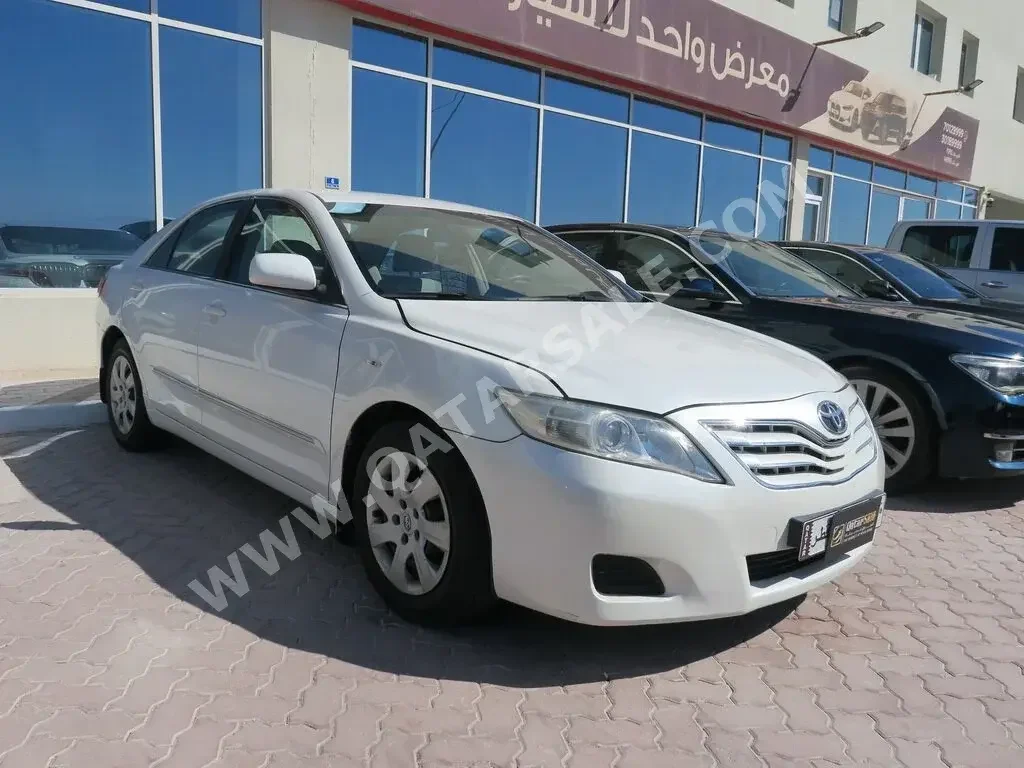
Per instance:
x=965, y=89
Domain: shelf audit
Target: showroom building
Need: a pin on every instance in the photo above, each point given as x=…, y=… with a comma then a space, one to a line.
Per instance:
x=785, y=118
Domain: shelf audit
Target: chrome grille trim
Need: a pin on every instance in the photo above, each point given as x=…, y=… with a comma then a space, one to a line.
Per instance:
x=785, y=453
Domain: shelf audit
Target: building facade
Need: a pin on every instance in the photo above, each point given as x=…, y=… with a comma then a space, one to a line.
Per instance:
x=750, y=115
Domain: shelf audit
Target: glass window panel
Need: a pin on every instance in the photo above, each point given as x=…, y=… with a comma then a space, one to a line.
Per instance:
x=199, y=249
x=816, y=185
x=848, y=217
x=777, y=147
x=658, y=117
x=916, y=209
x=851, y=166
x=946, y=210
x=663, y=181
x=484, y=152
x=384, y=48
x=211, y=106
x=820, y=158
x=142, y=6
x=729, y=192
x=1008, y=249
x=968, y=213
x=921, y=184
x=76, y=136
x=890, y=177
x=885, y=212
x=587, y=99
x=732, y=136
x=389, y=129
x=949, y=191
x=239, y=16
x=812, y=213
x=941, y=245
x=584, y=171
x=970, y=196
x=773, y=201
x=485, y=73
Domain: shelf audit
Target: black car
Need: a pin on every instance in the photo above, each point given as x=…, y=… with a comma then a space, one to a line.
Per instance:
x=945, y=390
x=879, y=273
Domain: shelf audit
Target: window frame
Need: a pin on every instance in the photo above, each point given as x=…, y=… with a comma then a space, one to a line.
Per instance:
x=333, y=295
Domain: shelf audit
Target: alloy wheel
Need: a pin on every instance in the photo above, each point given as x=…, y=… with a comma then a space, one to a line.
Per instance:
x=407, y=523
x=123, y=395
x=892, y=420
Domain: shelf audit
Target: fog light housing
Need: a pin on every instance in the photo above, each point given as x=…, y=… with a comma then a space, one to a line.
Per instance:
x=1003, y=450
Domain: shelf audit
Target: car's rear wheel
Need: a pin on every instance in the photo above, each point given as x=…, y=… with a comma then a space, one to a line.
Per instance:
x=903, y=423
x=421, y=526
x=855, y=120
x=126, y=405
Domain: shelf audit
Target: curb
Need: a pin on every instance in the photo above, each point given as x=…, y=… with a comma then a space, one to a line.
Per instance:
x=32, y=418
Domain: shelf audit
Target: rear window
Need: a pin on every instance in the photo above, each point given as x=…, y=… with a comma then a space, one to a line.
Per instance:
x=943, y=246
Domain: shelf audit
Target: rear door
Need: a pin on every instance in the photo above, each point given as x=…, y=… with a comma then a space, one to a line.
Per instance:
x=1004, y=278
x=268, y=358
x=167, y=296
x=953, y=247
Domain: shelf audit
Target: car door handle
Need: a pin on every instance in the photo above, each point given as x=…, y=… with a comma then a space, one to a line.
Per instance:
x=994, y=284
x=214, y=311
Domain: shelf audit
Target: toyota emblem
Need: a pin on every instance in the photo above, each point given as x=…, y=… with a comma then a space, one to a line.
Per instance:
x=832, y=417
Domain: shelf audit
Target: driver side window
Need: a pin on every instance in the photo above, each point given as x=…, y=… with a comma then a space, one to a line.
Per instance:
x=844, y=269
x=653, y=265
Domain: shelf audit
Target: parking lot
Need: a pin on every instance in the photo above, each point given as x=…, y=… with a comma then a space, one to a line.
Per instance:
x=108, y=658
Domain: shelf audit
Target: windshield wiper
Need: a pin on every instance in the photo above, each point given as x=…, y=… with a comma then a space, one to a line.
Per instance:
x=434, y=296
x=581, y=296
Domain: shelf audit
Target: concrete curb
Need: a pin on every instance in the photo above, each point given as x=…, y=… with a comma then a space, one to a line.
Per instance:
x=32, y=418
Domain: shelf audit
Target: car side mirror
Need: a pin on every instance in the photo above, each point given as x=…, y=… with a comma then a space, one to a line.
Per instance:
x=288, y=271
x=618, y=276
x=879, y=289
x=700, y=288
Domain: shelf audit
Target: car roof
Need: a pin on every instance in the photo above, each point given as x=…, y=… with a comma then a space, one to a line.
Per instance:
x=651, y=228
x=856, y=248
x=370, y=198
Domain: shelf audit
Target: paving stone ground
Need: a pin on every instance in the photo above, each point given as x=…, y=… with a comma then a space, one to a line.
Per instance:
x=107, y=658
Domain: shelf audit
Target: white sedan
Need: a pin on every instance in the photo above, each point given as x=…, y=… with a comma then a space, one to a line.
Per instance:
x=498, y=415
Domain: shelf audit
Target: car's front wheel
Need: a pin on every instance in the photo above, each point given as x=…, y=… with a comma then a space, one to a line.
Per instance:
x=126, y=406
x=855, y=120
x=421, y=526
x=903, y=424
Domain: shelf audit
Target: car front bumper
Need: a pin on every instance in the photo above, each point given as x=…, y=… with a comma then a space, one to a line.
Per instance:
x=552, y=511
x=975, y=444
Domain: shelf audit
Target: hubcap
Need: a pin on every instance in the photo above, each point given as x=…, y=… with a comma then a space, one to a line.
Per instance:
x=892, y=421
x=123, y=395
x=407, y=522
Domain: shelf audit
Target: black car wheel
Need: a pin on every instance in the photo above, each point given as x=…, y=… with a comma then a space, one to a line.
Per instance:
x=421, y=528
x=902, y=421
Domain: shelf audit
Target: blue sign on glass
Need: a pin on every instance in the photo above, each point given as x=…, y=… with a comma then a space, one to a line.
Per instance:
x=332, y=182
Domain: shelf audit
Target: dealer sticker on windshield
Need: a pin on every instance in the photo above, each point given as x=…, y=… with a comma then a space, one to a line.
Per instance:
x=835, y=532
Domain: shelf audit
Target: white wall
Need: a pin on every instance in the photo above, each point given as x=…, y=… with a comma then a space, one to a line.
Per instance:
x=48, y=333
x=998, y=25
x=307, y=43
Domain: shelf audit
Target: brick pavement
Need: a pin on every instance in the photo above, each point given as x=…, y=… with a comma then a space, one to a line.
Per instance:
x=107, y=659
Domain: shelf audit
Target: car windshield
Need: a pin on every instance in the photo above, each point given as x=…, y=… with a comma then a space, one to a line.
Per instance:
x=429, y=253
x=765, y=270
x=855, y=88
x=926, y=281
x=68, y=241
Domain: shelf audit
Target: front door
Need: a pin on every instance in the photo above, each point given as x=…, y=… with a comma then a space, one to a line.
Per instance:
x=268, y=359
x=1005, y=276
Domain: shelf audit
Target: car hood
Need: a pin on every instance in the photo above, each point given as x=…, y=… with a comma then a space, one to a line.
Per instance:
x=49, y=258
x=958, y=321
x=845, y=99
x=661, y=361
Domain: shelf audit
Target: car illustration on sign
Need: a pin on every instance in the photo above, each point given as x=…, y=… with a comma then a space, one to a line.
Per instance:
x=845, y=106
x=885, y=116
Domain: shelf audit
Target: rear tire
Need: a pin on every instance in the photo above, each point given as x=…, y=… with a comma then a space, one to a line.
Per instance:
x=904, y=424
x=126, y=403
x=421, y=527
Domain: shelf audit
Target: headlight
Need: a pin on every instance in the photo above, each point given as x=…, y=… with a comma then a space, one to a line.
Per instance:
x=608, y=433
x=1003, y=374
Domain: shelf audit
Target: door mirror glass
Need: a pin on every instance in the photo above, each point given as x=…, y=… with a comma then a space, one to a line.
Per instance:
x=288, y=271
x=878, y=289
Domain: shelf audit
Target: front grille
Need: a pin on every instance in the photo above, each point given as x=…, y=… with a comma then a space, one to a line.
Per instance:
x=790, y=454
x=625, y=576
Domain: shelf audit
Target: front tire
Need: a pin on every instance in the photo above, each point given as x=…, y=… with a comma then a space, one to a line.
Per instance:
x=421, y=527
x=126, y=404
x=903, y=423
